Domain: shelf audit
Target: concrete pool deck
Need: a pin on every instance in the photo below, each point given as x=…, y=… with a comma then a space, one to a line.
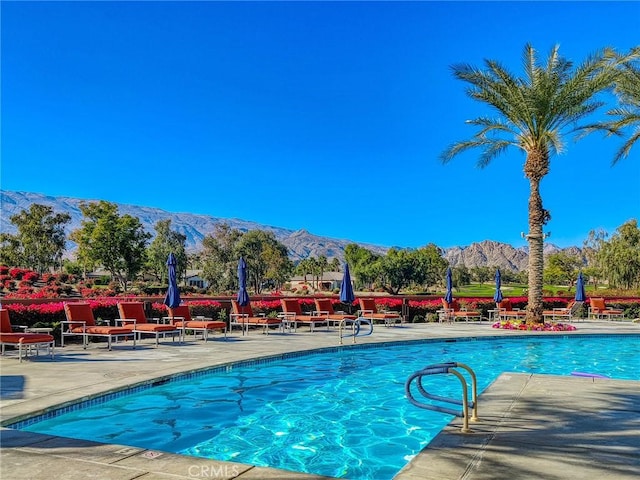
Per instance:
x=531, y=426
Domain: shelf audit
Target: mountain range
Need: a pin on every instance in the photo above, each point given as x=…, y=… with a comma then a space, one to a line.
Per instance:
x=300, y=243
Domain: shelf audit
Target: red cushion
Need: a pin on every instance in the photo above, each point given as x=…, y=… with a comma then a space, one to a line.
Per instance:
x=153, y=327
x=209, y=325
x=25, y=338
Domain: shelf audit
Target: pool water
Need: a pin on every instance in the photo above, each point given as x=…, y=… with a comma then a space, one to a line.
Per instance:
x=340, y=413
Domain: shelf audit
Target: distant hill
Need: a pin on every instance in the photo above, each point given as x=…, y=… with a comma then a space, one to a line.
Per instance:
x=301, y=243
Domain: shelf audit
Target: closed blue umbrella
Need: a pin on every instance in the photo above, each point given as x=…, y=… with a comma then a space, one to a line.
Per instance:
x=172, y=298
x=497, y=297
x=580, y=295
x=448, y=297
x=243, y=295
x=346, y=288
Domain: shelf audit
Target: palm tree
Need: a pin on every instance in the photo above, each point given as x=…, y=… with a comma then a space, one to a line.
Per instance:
x=627, y=90
x=535, y=112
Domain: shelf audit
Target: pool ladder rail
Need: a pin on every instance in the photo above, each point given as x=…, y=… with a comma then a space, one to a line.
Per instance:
x=355, y=328
x=446, y=368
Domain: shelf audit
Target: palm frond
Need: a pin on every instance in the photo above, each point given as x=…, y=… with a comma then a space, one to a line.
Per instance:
x=493, y=150
x=552, y=99
x=626, y=147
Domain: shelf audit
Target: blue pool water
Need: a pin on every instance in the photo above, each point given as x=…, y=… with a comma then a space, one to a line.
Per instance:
x=339, y=413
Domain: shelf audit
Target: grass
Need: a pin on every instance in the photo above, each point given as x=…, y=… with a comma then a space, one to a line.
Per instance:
x=510, y=290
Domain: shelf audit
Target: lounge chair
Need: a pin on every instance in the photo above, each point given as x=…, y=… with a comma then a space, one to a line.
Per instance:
x=567, y=313
x=23, y=340
x=324, y=307
x=244, y=317
x=132, y=316
x=454, y=311
x=181, y=318
x=80, y=322
x=598, y=309
x=507, y=312
x=292, y=313
x=369, y=311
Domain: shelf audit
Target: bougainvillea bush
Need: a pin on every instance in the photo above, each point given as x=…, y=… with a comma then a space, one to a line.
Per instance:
x=537, y=327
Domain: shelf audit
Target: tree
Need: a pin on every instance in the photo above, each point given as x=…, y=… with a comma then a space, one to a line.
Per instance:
x=398, y=269
x=167, y=241
x=562, y=268
x=320, y=265
x=116, y=242
x=40, y=241
x=363, y=264
x=431, y=265
x=591, y=249
x=620, y=256
x=335, y=264
x=220, y=259
x=9, y=250
x=304, y=268
x=535, y=113
x=266, y=258
x=461, y=275
x=482, y=274
x=627, y=114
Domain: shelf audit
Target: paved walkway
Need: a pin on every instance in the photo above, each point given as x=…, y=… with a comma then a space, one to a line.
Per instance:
x=531, y=426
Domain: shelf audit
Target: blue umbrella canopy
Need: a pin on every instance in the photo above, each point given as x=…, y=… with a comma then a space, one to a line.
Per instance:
x=243, y=295
x=172, y=298
x=497, y=297
x=449, y=295
x=346, y=288
x=580, y=295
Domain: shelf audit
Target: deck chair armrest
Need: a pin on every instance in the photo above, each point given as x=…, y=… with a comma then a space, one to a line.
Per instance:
x=287, y=315
x=126, y=321
x=362, y=313
x=102, y=322
x=170, y=320
x=319, y=313
x=239, y=315
x=71, y=323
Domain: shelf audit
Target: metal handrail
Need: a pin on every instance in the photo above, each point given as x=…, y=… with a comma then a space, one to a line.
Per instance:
x=355, y=326
x=446, y=368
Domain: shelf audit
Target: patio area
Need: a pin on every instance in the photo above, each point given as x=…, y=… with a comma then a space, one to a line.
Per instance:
x=532, y=426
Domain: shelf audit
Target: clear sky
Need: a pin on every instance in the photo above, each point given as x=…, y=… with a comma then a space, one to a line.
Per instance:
x=327, y=116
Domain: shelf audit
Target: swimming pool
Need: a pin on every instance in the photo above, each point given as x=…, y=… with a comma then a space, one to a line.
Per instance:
x=341, y=412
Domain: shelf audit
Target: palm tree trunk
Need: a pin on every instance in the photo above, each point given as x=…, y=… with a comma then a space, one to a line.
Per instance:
x=536, y=248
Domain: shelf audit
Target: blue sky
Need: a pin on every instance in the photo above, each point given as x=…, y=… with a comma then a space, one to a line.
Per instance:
x=327, y=116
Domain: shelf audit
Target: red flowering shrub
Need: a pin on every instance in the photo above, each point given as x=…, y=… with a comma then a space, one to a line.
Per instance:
x=44, y=313
x=17, y=273
x=89, y=292
x=31, y=276
x=4, y=270
x=205, y=308
x=50, y=278
x=266, y=306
